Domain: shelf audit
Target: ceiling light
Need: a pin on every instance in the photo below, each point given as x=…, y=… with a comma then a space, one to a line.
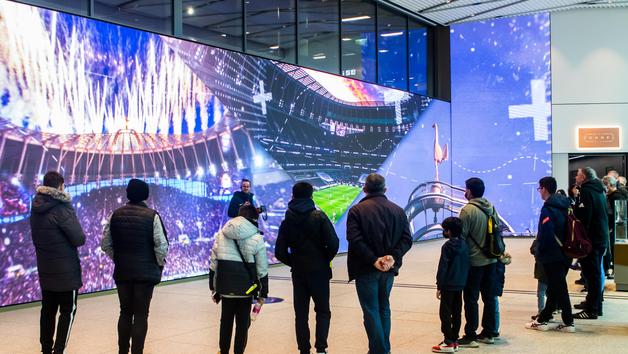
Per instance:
x=319, y=57
x=346, y=39
x=274, y=47
x=383, y=50
x=391, y=34
x=355, y=18
x=223, y=35
x=190, y=10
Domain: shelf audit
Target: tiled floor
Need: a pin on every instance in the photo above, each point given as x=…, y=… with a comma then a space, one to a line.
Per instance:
x=184, y=320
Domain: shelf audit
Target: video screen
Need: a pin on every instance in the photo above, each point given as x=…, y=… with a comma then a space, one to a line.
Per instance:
x=501, y=112
x=103, y=103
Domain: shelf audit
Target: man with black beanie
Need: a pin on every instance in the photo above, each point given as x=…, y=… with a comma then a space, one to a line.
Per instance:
x=56, y=234
x=307, y=242
x=135, y=238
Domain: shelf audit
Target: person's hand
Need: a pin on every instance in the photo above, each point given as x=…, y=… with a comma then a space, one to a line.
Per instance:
x=379, y=265
x=215, y=297
x=246, y=203
x=438, y=294
x=383, y=264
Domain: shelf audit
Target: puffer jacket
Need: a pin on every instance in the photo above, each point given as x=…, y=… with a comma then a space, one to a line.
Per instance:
x=252, y=246
x=56, y=234
x=474, y=223
x=592, y=212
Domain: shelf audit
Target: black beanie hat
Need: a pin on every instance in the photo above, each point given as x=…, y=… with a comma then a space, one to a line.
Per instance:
x=137, y=191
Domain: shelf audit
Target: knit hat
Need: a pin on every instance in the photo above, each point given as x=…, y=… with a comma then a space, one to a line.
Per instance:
x=137, y=191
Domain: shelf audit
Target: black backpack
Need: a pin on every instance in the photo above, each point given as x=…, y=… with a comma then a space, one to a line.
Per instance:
x=494, y=246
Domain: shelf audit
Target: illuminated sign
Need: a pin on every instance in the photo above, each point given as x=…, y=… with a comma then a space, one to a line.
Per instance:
x=599, y=137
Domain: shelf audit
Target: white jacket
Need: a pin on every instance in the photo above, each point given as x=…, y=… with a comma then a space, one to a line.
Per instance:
x=249, y=240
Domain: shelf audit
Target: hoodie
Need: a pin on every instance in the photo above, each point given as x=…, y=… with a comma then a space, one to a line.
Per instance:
x=251, y=244
x=453, y=266
x=592, y=212
x=551, y=226
x=474, y=223
x=56, y=234
x=307, y=240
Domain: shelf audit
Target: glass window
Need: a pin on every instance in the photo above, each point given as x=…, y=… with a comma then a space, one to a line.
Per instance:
x=152, y=15
x=418, y=54
x=318, y=34
x=358, y=39
x=392, y=55
x=271, y=29
x=213, y=22
x=72, y=6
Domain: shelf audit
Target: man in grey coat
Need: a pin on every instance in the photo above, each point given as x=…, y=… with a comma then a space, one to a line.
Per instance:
x=56, y=234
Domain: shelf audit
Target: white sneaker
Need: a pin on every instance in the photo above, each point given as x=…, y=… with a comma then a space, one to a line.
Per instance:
x=566, y=329
x=539, y=326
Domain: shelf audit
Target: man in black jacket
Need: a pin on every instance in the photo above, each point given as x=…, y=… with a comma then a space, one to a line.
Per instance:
x=56, y=234
x=550, y=256
x=592, y=213
x=240, y=198
x=378, y=233
x=135, y=238
x=307, y=242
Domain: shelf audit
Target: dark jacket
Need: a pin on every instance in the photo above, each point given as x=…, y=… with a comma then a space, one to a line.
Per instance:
x=56, y=234
x=307, y=241
x=376, y=227
x=620, y=193
x=238, y=199
x=592, y=212
x=552, y=223
x=453, y=266
x=131, y=228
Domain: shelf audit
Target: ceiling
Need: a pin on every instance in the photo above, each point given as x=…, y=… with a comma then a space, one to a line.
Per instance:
x=448, y=12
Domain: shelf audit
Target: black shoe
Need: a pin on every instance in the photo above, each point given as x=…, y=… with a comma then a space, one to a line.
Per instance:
x=466, y=342
x=580, y=281
x=580, y=306
x=610, y=276
x=584, y=315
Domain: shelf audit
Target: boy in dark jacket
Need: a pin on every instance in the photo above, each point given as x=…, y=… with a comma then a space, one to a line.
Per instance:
x=453, y=269
x=307, y=242
x=56, y=234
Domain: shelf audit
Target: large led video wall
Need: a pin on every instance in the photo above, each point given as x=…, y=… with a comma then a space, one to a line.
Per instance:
x=501, y=112
x=103, y=103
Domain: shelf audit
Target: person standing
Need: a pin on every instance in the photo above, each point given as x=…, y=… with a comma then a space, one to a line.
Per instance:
x=483, y=272
x=592, y=213
x=614, y=192
x=135, y=239
x=453, y=269
x=307, y=243
x=378, y=234
x=56, y=234
x=238, y=271
x=550, y=256
x=240, y=198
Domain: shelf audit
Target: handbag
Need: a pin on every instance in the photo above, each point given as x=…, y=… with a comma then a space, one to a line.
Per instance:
x=235, y=278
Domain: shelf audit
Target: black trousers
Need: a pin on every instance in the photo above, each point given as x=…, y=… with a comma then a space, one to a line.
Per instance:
x=313, y=286
x=481, y=281
x=592, y=273
x=240, y=310
x=51, y=303
x=133, y=322
x=450, y=313
x=557, y=292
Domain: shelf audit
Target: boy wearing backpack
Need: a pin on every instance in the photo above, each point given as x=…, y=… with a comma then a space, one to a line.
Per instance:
x=483, y=272
x=549, y=254
x=453, y=269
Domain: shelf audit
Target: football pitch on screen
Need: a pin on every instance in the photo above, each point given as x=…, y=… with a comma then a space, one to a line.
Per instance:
x=335, y=200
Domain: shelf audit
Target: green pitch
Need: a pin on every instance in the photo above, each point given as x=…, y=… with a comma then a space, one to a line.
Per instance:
x=334, y=201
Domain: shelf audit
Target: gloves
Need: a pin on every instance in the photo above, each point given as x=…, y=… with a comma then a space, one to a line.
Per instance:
x=263, y=292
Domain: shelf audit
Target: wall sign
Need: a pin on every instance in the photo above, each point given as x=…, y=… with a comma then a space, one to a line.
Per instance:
x=598, y=138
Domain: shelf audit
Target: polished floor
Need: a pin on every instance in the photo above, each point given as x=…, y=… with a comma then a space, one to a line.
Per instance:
x=184, y=320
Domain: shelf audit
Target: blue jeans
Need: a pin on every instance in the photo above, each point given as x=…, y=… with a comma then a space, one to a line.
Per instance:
x=541, y=290
x=496, y=330
x=374, y=293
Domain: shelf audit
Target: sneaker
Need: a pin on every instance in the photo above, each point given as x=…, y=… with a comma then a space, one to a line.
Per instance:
x=466, y=342
x=444, y=348
x=610, y=276
x=539, y=326
x=580, y=306
x=456, y=346
x=584, y=315
x=486, y=339
x=567, y=329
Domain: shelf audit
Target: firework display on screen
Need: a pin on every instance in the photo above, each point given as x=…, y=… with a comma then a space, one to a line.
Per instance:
x=103, y=103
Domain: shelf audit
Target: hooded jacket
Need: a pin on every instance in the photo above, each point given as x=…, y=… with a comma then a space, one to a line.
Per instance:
x=251, y=244
x=474, y=223
x=238, y=199
x=56, y=234
x=376, y=227
x=592, y=212
x=551, y=226
x=307, y=241
x=453, y=266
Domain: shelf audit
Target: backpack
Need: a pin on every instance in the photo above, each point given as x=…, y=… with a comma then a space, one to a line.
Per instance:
x=494, y=246
x=576, y=243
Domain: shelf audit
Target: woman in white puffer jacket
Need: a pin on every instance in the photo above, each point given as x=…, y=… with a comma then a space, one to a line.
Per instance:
x=236, y=276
